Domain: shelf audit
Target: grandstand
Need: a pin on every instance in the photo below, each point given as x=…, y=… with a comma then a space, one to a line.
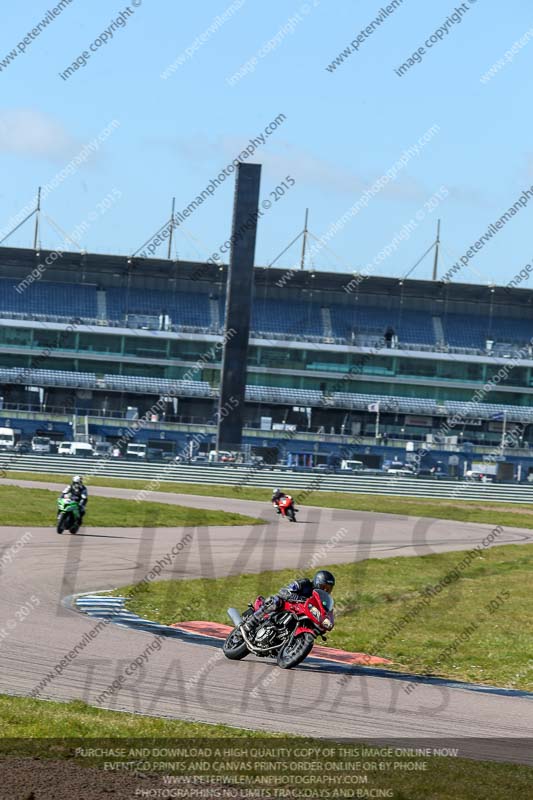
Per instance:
x=99, y=334
x=348, y=323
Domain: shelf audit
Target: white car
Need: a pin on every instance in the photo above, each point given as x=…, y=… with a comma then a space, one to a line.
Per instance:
x=401, y=470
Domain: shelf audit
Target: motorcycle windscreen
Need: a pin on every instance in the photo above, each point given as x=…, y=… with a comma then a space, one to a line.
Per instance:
x=326, y=599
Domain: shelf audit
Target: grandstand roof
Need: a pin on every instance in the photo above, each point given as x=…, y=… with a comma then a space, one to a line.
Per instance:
x=111, y=270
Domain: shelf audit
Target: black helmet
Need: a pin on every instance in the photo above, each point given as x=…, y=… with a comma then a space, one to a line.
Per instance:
x=325, y=580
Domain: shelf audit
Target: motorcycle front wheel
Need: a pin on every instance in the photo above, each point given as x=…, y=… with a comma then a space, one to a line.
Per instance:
x=295, y=651
x=68, y=521
x=61, y=523
x=291, y=515
x=235, y=647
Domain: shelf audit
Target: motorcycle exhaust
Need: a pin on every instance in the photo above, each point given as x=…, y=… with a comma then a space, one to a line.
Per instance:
x=234, y=616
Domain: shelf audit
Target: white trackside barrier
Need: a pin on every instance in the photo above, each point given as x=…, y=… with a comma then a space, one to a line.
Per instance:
x=300, y=484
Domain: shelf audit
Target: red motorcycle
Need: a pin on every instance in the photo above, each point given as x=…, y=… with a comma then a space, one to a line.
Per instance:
x=285, y=506
x=288, y=634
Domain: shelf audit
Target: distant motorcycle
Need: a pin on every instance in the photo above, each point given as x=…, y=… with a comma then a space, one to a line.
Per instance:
x=68, y=515
x=287, y=635
x=285, y=507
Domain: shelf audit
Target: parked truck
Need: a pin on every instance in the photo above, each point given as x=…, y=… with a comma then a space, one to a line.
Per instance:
x=352, y=465
x=9, y=437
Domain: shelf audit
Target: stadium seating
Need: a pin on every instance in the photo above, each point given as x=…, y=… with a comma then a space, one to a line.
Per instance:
x=156, y=385
x=265, y=394
x=469, y=330
x=299, y=320
x=275, y=394
x=388, y=403
x=465, y=330
x=184, y=308
x=126, y=383
x=517, y=331
x=48, y=377
x=291, y=317
x=409, y=326
x=43, y=297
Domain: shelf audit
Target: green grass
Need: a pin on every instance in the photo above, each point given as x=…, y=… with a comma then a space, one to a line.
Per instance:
x=507, y=514
x=50, y=730
x=38, y=507
x=374, y=594
x=25, y=717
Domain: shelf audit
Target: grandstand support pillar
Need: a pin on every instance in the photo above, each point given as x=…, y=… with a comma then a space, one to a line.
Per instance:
x=304, y=243
x=169, y=254
x=37, y=215
x=239, y=289
x=436, y=260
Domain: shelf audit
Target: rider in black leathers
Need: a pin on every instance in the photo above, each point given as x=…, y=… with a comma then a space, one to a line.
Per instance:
x=300, y=589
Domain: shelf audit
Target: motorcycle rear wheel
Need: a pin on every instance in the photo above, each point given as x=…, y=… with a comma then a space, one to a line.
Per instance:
x=235, y=647
x=295, y=651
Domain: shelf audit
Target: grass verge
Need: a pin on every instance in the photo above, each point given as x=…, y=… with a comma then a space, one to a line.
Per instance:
x=38, y=507
x=50, y=730
x=26, y=718
x=507, y=514
x=380, y=610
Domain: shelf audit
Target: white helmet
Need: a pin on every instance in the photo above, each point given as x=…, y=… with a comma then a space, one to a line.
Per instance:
x=77, y=479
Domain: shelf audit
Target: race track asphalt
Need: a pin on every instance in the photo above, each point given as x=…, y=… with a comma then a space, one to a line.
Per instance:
x=189, y=679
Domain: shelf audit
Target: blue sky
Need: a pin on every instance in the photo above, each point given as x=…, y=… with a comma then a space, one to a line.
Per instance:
x=343, y=128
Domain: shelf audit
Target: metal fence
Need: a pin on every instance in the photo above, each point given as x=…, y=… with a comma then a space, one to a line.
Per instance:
x=297, y=483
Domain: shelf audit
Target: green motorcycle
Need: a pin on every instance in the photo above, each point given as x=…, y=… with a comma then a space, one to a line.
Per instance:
x=68, y=515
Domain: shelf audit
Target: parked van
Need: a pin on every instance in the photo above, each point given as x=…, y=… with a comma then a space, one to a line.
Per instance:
x=9, y=438
x=41, y=444
x=81, y=449
x=136, y=451
x=75, y=449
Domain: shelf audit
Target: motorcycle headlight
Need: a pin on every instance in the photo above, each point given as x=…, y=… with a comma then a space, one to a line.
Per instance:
x=315, y=612
x=326, y=623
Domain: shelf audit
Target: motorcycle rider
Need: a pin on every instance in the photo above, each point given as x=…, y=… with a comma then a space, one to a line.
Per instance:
x=277, y=495
x=300, y=589
x=78, y=492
